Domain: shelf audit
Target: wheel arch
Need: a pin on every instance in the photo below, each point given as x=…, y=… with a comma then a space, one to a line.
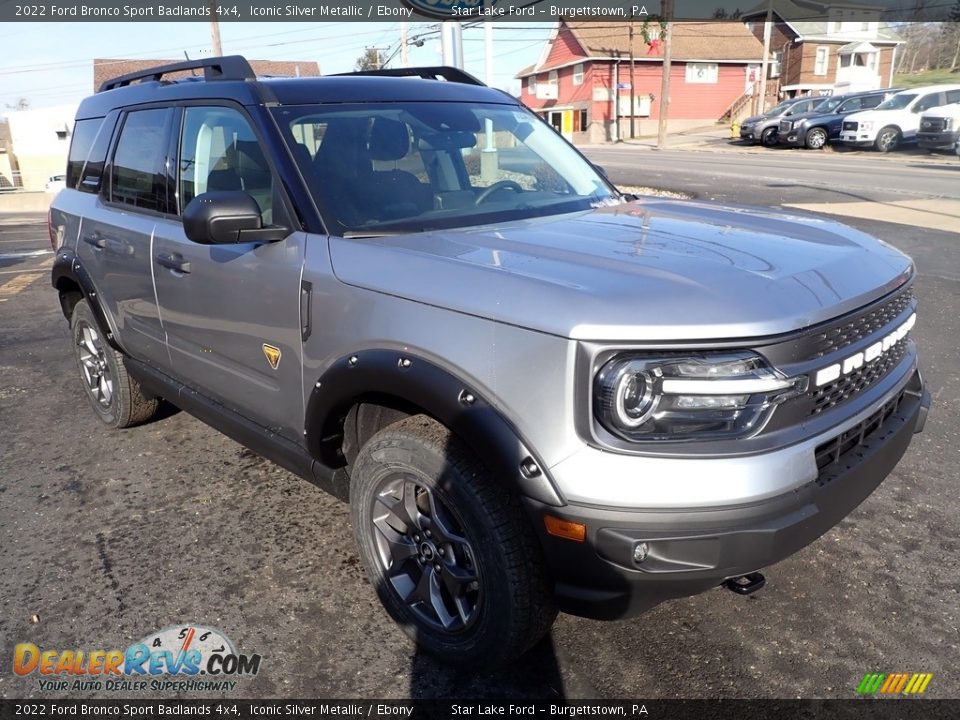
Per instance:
x=73, y=284
x=398, y=384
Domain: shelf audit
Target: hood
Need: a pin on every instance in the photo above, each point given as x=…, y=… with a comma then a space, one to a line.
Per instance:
x=651, y=269
x=753, y=119
x=811, y=116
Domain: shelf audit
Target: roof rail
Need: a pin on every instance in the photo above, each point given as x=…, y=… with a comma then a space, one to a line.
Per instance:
x=434, y=72
x=231, y=67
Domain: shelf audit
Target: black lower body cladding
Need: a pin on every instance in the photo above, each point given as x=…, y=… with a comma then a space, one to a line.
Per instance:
x=690, y=551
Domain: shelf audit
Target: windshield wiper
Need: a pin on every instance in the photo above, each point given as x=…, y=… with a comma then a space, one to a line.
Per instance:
x=374, y=233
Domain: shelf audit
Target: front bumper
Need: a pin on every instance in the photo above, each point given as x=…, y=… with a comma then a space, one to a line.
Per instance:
x=746, y=133
x=859, y=138
x=793, y=138
x=946, y=140
x=694, y=550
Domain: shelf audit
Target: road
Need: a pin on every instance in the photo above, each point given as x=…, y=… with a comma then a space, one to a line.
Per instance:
x=733, y=173
x=107, y=536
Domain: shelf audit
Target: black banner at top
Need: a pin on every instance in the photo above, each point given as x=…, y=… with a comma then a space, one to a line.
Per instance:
x=851, y=14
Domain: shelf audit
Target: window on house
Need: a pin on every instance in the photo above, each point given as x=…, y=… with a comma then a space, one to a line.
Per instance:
x=776, y=64
x=583, y=120
x=552, y=77
x=822, y=62
x=578, y=74
x=701, y=72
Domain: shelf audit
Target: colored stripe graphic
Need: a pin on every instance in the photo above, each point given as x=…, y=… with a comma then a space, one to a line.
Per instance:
x=894, y=683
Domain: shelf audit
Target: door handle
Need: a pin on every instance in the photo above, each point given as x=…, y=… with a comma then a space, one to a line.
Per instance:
x=95, y=239
x=173, y=262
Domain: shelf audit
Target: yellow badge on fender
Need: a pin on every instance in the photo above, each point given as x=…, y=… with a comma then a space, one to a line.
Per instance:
x=272, y=354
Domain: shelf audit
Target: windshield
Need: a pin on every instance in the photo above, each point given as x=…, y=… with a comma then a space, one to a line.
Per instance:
x=897, y=102
x=829, y=105
x=412, y=166
x=780, y=109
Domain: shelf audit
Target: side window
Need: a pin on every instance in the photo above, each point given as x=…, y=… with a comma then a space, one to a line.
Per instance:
x=871, y=101
x=953, y=96
x=852, y=105
x=84, y=134
x=139, y=175
x=927, y=102
x=219, y=151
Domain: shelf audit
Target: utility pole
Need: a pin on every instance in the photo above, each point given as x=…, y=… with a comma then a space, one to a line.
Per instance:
x=633, y=90
x=404, y=53
x=488, y=43
x=215, y=29
x=766, y=54
x=451, y=43
x=616, y=98
x=665, y=80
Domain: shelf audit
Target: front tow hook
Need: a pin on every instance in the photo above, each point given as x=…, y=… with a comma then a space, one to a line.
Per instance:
x=746, y=584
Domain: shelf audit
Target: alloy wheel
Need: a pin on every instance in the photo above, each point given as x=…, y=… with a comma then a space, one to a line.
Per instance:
x=94, y=366
x=816, y=139
x=425, y=554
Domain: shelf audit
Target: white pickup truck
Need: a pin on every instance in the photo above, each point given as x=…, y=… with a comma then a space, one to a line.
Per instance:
x=896, y=120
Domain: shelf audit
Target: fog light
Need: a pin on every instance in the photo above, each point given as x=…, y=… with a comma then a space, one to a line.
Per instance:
x=640, y=552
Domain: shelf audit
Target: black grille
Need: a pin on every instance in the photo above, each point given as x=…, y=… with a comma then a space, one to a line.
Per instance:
x=933, y=125
x=851, y=125
x=857, y=328
x=849, y=385
x=833, y=450
x=785, y=126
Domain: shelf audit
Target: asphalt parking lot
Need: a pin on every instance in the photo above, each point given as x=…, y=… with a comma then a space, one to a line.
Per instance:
x=108, y=536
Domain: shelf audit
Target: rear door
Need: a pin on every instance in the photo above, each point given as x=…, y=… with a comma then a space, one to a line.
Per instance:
x=232, y=312
x=117, y=231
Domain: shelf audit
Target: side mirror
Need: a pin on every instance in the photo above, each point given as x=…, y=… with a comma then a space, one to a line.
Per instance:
x=227, y=217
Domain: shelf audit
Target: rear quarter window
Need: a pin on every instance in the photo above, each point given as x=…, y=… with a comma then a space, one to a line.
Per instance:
x=88, y=153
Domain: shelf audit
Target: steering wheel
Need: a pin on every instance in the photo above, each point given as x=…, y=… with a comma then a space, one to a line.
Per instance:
x=497, y=187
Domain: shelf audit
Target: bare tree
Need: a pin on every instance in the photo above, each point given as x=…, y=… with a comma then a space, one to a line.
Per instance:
x=370, y=60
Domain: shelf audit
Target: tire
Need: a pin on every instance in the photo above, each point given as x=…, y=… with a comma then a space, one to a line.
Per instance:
x=887, y=139
x=491, y=599
x=117, y=398
x=769, y=137
x=816, y=138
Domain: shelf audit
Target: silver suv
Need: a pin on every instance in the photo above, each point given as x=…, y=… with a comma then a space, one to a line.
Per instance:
x=536, y=393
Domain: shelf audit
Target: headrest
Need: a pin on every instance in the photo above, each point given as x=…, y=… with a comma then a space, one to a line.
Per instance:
x=389, y=139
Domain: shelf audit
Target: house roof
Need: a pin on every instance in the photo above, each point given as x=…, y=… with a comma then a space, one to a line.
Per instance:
x=720, y=41
x=107, y=69
x=797, y=14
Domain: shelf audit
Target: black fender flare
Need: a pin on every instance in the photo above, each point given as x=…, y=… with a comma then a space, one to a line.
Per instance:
x=67, y=265
x=451, y=401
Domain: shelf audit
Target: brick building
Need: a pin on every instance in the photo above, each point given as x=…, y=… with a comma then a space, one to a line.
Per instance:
x=106, y=69
x=585, y=68
x=844, y=50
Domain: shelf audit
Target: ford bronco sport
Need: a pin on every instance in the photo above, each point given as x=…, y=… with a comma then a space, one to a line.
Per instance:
x=536, y=393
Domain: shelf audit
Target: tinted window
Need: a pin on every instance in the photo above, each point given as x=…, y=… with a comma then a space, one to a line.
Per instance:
x=871, y=101
x=84, y=134
x=91, y=172
x=219, y=151
x=139, y=163
x=953, y=96
x=853, y=104
x=927, y=102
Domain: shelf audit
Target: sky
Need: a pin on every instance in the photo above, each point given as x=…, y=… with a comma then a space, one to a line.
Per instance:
x=50, y=64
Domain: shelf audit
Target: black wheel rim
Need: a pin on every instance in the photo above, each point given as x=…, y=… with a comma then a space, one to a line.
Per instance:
x=93, y=365
x=770, y=137
x=425, y=554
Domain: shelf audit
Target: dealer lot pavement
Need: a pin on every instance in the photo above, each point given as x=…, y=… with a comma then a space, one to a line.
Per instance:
x=108, y=536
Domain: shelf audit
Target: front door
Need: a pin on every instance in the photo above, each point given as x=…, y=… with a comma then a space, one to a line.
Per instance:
x=232, y=312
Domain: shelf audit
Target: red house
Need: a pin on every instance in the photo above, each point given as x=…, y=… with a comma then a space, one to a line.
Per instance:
x=585, y=69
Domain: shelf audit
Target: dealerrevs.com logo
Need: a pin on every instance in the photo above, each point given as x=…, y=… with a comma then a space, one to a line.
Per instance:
x=180, y=658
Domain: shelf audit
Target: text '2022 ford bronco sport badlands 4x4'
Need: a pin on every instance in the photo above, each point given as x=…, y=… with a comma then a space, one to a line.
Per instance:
x=535, y=393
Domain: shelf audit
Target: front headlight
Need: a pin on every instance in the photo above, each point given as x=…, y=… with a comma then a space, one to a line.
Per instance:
x=866, y=125
x=948, y=123
x=692, y=397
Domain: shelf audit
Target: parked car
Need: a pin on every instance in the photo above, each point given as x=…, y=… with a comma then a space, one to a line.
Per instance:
x=763, y=128
x=896, y=120
x=56, y=183
x=940, y=128
x=535, y=392
x=817, y=128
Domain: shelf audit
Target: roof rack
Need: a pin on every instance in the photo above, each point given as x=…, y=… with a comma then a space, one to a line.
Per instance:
x=435, y=72
x=231, y=67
